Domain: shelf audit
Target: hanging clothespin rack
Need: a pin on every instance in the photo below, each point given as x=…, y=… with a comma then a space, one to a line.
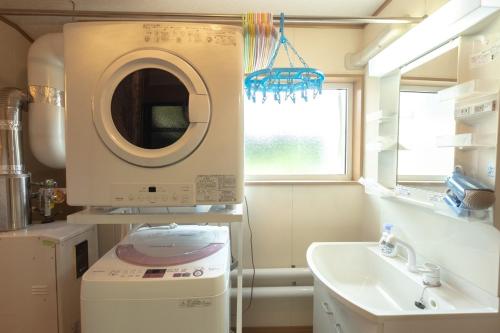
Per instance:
x=284, y=83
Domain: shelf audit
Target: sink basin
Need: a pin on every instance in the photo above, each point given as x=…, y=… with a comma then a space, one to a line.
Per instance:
x=380, y=288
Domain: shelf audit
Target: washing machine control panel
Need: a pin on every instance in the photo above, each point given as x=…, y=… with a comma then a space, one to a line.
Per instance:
x=164, y=194
x=154, y=273
x=157, y=273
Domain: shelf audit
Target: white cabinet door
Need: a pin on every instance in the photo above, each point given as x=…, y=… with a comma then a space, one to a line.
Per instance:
x=331, y=316
x=28, y=290
x=324, y=317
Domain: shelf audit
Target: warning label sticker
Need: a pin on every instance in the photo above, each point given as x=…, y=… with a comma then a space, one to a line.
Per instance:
x=162, y=33
x=216, y=188
x=195, y=303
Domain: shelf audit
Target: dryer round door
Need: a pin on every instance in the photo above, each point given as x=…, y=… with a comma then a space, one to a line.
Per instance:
x=151, y=108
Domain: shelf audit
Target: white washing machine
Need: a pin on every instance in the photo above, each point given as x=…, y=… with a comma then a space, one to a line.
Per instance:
x=160, y=280
x=154, y=114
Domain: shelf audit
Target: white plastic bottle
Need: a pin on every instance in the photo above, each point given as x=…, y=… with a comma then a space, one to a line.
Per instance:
x=387, y=248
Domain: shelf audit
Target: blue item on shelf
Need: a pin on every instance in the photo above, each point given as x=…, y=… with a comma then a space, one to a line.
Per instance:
x=465, y=194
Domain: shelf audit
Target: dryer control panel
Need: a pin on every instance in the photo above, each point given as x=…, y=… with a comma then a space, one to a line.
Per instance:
x=162, y=194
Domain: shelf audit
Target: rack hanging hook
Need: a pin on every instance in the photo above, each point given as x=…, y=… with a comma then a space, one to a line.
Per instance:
x=282, y=28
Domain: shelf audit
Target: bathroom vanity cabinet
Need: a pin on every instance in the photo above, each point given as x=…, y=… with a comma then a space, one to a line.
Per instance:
x=330, y=315
x=334, y=316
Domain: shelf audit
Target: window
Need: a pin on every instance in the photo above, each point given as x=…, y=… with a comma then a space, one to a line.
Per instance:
x=422, y=120
x=301, y=141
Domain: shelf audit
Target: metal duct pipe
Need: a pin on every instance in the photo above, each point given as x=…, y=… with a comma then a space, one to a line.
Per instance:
x=359, y=59
x=46, y=108
x=12, y=101
x=15, y=208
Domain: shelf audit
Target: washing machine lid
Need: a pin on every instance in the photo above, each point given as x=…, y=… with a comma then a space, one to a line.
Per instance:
x=167, y=246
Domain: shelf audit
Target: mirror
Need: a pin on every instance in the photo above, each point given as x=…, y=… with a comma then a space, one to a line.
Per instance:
x=426, y=124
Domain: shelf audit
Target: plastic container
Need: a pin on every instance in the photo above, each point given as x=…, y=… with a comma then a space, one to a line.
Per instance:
x=386, y=248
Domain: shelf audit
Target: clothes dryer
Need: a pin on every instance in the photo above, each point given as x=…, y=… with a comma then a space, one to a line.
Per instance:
x=154, y=114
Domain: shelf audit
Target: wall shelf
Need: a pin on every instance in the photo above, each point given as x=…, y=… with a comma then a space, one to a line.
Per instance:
x=372, y=187
x=434, y=201
x=469, y=90
x=467, y=141
x=379, y=117
x=380, y=147
x=468, y=147
x=474, y=147
x=430, y=200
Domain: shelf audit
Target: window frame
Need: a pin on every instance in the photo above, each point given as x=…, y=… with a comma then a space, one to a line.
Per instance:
x=329, y=84
x=425, y=88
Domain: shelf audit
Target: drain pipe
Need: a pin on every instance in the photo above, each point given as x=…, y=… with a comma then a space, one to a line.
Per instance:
x=46, y=107
x=277, y=276
x=276, y=283
x=276, y=292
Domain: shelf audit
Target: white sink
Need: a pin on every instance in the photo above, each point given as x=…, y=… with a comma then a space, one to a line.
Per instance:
x=381, y=288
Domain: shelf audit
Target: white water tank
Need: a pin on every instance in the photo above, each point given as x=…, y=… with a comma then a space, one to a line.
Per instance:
x=46, y=107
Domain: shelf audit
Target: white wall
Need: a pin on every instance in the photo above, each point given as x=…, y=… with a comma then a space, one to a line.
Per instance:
x=285, y=219
x=13, y=56
x=470, y=250
x=323, y=48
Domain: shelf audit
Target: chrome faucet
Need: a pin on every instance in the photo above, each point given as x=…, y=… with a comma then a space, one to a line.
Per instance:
x=410, y=252
x=431, y=273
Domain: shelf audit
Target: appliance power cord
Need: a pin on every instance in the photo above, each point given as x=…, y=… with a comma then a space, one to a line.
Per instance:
x=251, y=255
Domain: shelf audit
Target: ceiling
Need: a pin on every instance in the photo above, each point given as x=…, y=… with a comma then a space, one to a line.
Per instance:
x=36, y=26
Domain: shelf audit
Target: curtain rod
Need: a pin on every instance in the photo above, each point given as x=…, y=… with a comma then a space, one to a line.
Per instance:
x=209, y=18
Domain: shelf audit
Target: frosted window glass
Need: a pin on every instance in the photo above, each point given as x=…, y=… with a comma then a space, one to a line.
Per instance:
x=422, y=118
x=305, y=138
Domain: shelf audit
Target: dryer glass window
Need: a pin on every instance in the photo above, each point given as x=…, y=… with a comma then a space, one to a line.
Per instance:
x=149, y=108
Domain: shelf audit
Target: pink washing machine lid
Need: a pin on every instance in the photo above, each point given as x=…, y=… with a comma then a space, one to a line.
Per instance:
x=164, y=246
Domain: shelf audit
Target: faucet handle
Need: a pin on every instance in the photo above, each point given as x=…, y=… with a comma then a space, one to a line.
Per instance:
x=431, y=275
